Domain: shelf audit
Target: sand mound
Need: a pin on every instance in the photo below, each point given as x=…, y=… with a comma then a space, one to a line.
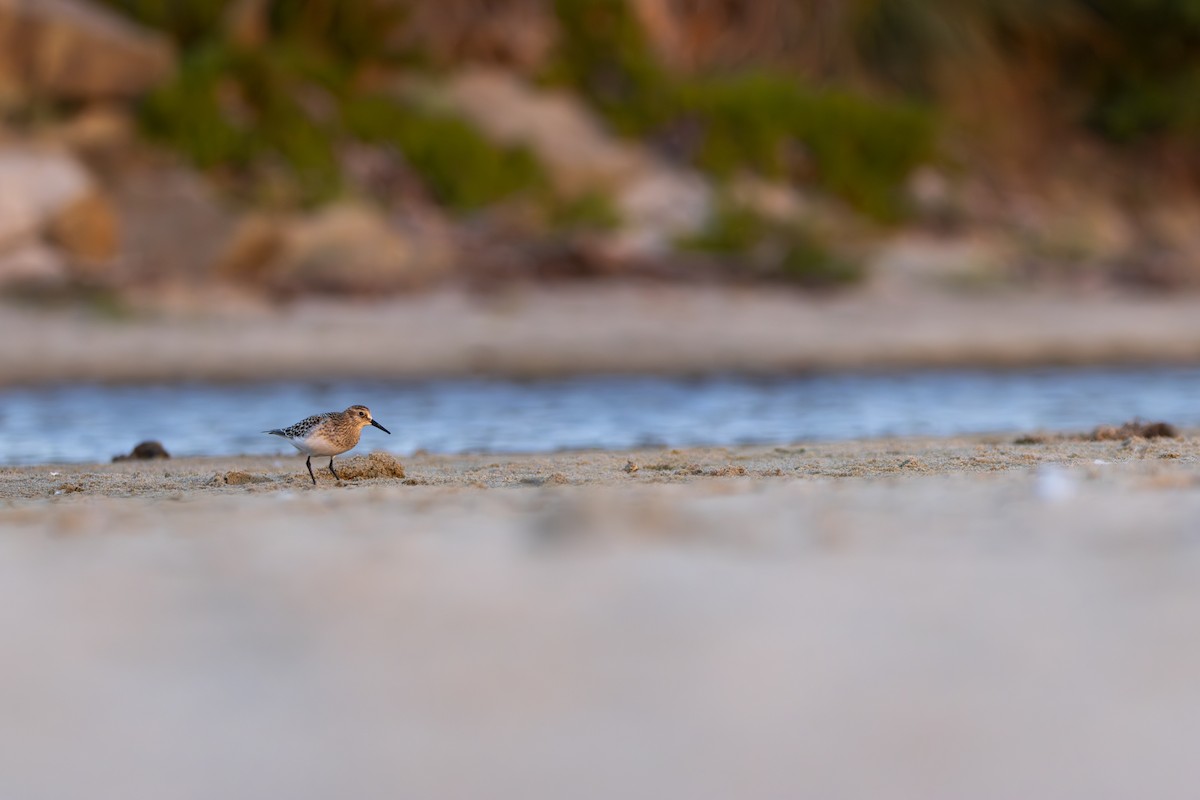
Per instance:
x=376, y=465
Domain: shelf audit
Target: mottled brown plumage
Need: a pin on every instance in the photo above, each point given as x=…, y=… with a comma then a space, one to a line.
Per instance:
x=328, y=434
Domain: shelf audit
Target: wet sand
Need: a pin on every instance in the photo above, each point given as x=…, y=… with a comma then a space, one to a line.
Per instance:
x=200, y=478
x=897, y=618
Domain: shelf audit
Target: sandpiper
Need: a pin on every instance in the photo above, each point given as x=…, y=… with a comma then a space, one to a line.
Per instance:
x=328, y=434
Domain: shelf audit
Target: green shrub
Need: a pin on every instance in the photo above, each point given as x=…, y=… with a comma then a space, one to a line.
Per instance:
x=277, y=113
x=249, y=113
x=604, y=54
x=1131, y=107
x=267, y=117
x=462, y=168
x=1146, y=81
x=188, y=114
x=756, y=245
x=733, y=230
x=591, y=211
x=354, y=34
x=1131, y=66
x=912, y=45
x=270, y=119
x=246, y=112
x=857, y=147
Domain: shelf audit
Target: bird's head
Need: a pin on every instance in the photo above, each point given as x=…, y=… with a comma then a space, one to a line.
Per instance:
x=361, y=416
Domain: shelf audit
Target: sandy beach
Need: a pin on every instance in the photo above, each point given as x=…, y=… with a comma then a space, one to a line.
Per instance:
x=899, y=618
x=987, y=617
x=993, y=617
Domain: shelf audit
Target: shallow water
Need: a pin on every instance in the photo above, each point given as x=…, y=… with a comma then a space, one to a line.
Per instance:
x=83, y=423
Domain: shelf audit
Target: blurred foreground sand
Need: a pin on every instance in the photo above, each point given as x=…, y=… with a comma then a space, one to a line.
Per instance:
x=910, y=619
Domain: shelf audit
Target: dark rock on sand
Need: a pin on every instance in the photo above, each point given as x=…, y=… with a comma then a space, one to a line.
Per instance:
x=1146, y=430
x=1106, y=433
x=145, y=451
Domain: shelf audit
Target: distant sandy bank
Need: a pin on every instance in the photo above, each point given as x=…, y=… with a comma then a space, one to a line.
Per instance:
x=537, y=332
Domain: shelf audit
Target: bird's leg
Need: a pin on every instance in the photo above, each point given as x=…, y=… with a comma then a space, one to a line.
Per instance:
x=339, y=477
x=308, y=463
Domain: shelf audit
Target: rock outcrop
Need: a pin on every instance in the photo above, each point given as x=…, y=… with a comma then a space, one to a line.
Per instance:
x=347, y=248
x=76, y=50
x=37, y=186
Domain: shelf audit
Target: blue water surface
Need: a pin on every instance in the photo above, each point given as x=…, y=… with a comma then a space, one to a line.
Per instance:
x=82, y=423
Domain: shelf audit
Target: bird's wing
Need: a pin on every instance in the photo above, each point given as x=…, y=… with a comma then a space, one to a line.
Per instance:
x=301, y=427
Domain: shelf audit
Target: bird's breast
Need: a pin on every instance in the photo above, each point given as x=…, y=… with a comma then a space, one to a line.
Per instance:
x=326, y=443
